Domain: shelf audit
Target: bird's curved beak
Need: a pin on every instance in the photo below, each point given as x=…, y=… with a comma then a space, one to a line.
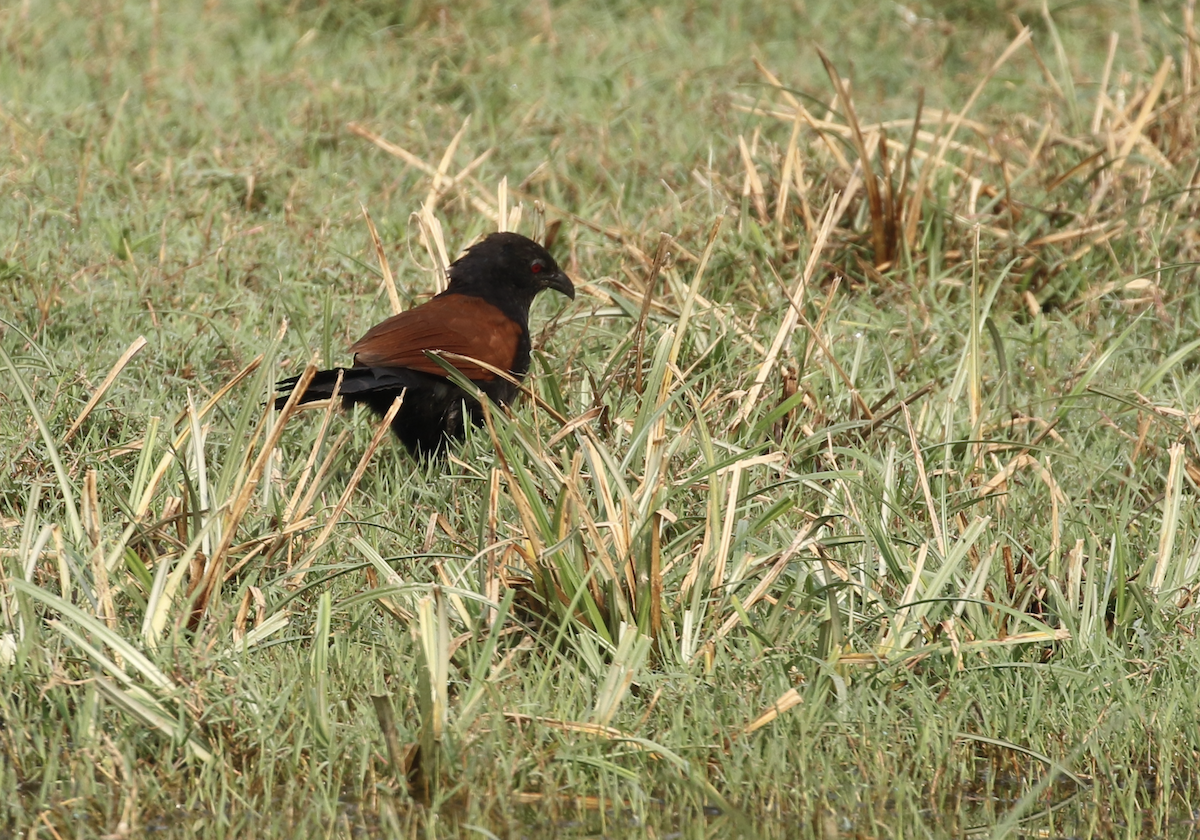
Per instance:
x=560, y=282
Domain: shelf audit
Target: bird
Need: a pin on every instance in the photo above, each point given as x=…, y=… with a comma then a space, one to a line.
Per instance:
x=483, y=314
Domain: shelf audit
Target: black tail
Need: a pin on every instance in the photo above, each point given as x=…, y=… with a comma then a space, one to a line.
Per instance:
x=359, y=384
x=430, y=416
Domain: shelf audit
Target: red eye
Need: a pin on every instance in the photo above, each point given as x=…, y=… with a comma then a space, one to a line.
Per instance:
x=536, y=268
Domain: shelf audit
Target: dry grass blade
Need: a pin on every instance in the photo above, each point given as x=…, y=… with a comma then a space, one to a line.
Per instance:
x=380, y=433
x=214, y=572
x=574, y=424
x=582, y=727
x=1070, y=235
x=797, y=108
x=791, y=317
x=145, y=709
x=974, y=363
x=789, y=699
x=639, y=331
x=169, y=458
x=883, y=247
x=1172, y=499
x=656, y=578
x=432, y=629
x=970, y=153
x=1058, y=500
x=1134, y=133
x=434, y=242
x=922, y=476
x=491, y=586
x=1047, y=76
x=754, y=185
x=1193, y=46
x=802, y=539
x=298, y=514
x=1102, y=99
x=391, y=148
x=685, y=312
x=774, y=81
x=502, y=206
x=131, y=351
x=439, y=174
x=900, y=222
x=791, y=162
x=721, y=558
x=389, y=282
x=294, y=508
x=1022, y=37
x=416, y=162
x=1021, y=459
x=889, y=202
x=90, y=514
x=1075, y=573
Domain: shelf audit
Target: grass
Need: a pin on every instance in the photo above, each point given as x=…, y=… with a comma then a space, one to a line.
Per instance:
x=857, y=497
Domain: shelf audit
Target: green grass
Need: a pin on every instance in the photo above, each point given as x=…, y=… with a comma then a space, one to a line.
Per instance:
x=977, y=616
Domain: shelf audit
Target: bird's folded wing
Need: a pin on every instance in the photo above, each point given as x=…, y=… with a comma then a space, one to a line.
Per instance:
x=462, y=324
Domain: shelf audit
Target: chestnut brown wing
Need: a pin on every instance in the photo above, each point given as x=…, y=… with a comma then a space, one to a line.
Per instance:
x=462, y=324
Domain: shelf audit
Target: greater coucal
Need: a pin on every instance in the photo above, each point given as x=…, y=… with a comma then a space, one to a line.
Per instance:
x=483, y=314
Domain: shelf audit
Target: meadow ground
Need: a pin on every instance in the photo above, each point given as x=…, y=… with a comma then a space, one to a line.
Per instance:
x=855, y=493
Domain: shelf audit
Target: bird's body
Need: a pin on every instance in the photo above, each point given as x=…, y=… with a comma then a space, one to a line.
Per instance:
x=482, y=315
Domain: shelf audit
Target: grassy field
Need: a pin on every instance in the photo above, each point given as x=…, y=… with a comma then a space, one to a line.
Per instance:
x=858, y=496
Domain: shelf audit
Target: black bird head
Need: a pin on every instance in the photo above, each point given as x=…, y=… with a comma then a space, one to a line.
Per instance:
x=482, y=319
x=508, y=270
